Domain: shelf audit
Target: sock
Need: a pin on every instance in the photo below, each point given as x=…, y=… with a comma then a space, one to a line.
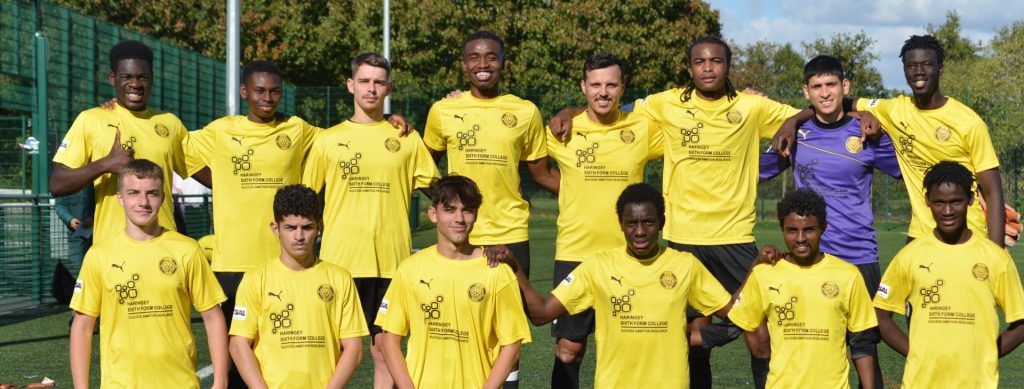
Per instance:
x=565, y=375
x=512, y=382
x=700, y=369
x=759, y=371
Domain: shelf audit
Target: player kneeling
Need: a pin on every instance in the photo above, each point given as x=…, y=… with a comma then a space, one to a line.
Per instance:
x=303, y=314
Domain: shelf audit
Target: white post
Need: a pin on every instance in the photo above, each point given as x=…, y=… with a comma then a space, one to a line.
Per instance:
x=232, y=62
x=387, y=47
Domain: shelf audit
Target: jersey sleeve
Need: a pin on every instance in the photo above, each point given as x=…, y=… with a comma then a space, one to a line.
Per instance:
x=982, y=153
x=749, y=310
x=351, y=322
x=656, y=144
x=314, y=171
x=178, y=163
x=197, y=145
x=74, y=150
x=432, y=135
x=895, y=287
x=535, y=145
x=771, y=165
x=203, y=288
x=88, y=295
x=509, y=321
x=771, y=114
x=424, y=170
x=575, y=291
x=706, y=294
x=861, y=315
x=393, y=313
x=885, y=157
x=1008, y=292
x=246, y=314
x=880, y=109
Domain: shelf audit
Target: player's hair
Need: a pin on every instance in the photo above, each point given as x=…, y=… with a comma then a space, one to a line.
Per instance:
x=803, y=202
x=141, y=168
x=823, y=65
x=601, y=61
x=924, y=42
x=371, y=59
x=730, y=91
x=486, y=35
x=949, y=172
x=453, y=188
x=130, y=49
x=259, y=66
x=297, y=200
x=639, y=194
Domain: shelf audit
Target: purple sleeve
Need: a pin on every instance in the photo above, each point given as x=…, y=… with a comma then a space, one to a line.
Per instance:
x=885, y=157
x=771, y=165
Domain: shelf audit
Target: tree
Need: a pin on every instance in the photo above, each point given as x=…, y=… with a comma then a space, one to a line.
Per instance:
x=771, y=68
x=856, y=52
x=957, y=47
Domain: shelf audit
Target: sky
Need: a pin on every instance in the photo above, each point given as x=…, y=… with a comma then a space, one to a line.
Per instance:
x=888, y=22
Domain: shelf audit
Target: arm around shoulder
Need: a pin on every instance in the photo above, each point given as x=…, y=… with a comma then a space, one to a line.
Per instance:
x=217, y=340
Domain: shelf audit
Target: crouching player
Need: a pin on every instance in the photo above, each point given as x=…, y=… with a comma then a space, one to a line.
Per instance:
x=809, y=300
x=464, y=319
x=303, y=314
x=639, y=293
x=142, y=281
x=953, y=277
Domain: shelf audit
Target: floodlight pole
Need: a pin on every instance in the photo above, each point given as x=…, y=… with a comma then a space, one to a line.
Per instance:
x=232, y=62
x=387, y=47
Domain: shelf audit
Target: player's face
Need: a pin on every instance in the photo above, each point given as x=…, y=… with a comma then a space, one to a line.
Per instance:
x=603, y=88
x=802, y=235
x=708, y=67
x=132, y=82
x=825, y=92
x=141, y=199
x=297, y=235
x=482, y=62
x=370, y=86
x=640, y=224
x=454, y=221
x=262, y=91
x=922, y=70
x=949, y=204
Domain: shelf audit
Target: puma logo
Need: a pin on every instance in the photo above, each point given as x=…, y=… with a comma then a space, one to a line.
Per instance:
x=427, y=283
x=693, y=115
x=775, y=288
x=928, y=268
x=803, y=133
x=278, y=295
x=119, y=267
x=239, y=140
x=461, y=118
x=580, y=134
x=345, y=144
x=618, y=280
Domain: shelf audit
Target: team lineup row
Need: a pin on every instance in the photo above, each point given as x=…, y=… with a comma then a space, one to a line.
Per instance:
x=706, y=132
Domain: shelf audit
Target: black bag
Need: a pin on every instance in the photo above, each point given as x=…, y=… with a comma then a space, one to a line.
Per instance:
x=62, y=284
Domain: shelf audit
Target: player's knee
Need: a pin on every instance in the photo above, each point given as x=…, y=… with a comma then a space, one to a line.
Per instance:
x=569, y=351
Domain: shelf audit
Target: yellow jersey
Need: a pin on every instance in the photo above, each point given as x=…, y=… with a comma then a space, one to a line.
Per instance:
x=370, y=172
x=808, y=311
x=297, y=320
x=143, y=292
x=249, y=161
x=953, y=290
x=154, y=135
x=640, y=311
x=457, y=314
x=486, y=139
x=923, y=138
x=711, y=162
x=597, y=163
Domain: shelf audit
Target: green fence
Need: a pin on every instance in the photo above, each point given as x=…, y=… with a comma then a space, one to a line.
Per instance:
x=13, y=159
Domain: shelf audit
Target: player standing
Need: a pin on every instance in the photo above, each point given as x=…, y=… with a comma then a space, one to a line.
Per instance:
x=370, y=171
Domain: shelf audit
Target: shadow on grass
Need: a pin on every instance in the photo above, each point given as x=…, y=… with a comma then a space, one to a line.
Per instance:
x=8, y=318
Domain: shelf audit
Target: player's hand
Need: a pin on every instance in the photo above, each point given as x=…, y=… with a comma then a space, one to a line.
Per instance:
x=769, y=255
x=561, y=125
x=398, y=121
x=870, y=128
x=453, y=94
x=499, y=254
x=751, y=91
x=784, y=138
x=74, y=223
x=109, y=105
x=118, y=156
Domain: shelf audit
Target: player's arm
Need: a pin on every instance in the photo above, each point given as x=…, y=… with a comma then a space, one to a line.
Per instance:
x=544, y=174
x=995, y=212
x=891, y=334
x=540, y=310
x=561, y=123
x=65, y=180
x=1011, y=338
x=395, y=360
x=508, y=356
x=245, y=361
x=865, y=371
x=204, y=177
x=82, y=326
x=217, y=340
x=785, y=137
x=351, y=356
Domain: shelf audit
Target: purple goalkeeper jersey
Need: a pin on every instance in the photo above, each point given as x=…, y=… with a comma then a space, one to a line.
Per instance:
x=831, y=160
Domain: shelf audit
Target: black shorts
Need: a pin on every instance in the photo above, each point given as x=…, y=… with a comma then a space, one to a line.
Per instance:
x=730, y=264
x=228, y=281
x=872, y=274
x=572, y=327
x=371, y=293
x=521, y=250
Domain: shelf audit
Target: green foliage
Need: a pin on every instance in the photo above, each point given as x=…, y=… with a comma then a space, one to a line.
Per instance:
x=773, y=69
x=957, y=47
